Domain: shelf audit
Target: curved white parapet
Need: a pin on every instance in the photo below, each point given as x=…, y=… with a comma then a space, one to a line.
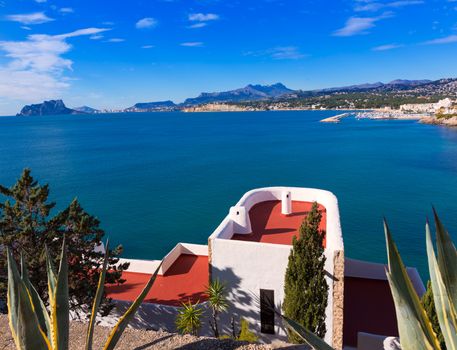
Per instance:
x=240, y=218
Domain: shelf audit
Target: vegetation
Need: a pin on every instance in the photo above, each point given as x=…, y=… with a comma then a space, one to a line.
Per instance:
x=26, y=226
x=429, y=307
x=414, y=326
x=189, y=318
x=217, y=299
x=305, y=287
x=31, y=325
x=445, y=116
x=245, y=333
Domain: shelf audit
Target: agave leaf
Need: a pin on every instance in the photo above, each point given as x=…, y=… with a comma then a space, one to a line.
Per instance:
x=447, y=259
x=309, y=337
x=60, y=306
x=38, y=304
x=51, y=271
x=13, y=296
x=24, y=323
x=444, y=310
x=120, y=326
x=98, y=298
x=414, y=326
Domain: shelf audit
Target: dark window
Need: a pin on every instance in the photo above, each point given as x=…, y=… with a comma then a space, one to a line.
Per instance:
x=267, y=315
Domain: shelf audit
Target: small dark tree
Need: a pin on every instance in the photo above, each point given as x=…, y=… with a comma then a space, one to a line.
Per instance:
x=26, y=226
x=305, y=287
x=429, y=306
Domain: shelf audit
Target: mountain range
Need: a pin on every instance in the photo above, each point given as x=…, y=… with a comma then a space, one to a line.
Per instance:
x=270, y=93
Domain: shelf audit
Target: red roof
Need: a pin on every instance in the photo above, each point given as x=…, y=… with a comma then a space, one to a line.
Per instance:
x=270, y=226
x=185, y=280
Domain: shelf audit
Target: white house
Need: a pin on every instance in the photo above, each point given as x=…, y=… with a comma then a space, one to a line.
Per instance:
x=249, y=252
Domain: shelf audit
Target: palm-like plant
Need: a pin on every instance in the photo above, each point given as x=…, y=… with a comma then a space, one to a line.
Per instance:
x=33, y=328
x=217, y=298
x=414, y=326
x=189, y=318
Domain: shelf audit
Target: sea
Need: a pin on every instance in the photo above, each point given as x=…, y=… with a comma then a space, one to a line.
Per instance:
x=156, y=179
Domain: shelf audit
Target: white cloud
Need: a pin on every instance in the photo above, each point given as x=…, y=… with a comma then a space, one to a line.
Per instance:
x=286, y=53
x=147, y=22
x=203, y=17
x=198, y=25
x=386, y=47
x=360, y=25
x=30, y=18
x=36, y=66
x=115, y=40
x=279, y=53
x=96, y=37
x=41, y=1
x=147, y=46
x=66, y=10
x=367, y=5
x=446, y=40
x=192, y=44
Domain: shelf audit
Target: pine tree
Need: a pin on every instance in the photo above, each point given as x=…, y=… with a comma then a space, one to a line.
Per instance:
x=305, y=287
x=26, y=226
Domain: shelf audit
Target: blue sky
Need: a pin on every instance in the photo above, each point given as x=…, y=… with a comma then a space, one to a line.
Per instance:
x=112, y=54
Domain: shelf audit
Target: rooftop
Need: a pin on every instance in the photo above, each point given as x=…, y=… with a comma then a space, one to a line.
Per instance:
x=185, y=280
x=269, y=225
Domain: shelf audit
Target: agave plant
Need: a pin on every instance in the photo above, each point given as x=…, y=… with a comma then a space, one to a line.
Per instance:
x=414, y=326
x=33, y=328
x=189, y=317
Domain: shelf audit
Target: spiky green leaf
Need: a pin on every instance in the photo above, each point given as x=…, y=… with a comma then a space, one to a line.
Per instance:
x=444, y=309
x=309, y=337
x=60, y=308
x=38, y=304
x=119, y=328
x=98, y=298
x=414, y=327
x=447, y=259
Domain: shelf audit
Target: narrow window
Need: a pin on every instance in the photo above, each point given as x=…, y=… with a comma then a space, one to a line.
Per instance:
x=267, y=315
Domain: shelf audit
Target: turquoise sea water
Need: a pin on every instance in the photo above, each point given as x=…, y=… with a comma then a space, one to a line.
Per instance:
x=161, y=178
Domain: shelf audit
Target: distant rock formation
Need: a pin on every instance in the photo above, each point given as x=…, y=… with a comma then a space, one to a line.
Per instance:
x=51, y=107
x=248, y=93
x=86, y=109
x=160, y=106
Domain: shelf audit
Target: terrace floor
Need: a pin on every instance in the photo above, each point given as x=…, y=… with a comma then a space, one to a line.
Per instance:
x=185, y=280
x=270, y=226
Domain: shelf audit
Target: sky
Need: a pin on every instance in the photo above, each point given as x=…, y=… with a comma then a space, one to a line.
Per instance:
x=113, y=54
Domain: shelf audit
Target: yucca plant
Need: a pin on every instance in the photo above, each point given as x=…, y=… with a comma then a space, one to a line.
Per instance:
x=414, y=326
x=189, y=318
x=217, y=298
x=33, y=328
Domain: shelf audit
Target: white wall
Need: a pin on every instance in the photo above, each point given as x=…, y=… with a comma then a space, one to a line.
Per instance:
x=250, y=266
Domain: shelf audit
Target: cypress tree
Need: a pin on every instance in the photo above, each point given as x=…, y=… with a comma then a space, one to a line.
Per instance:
x=305, y=287
x=27, y=226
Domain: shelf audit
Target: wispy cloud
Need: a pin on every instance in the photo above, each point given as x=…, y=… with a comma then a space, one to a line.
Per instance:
x=192, y=44
x=147, y=22
x=200, y=20
x=360, y=25
x=36, y=66
x=279, y=53
x=387, y=47
x=203, y=17
x=66, y=10
x=30, y=18
x=115, y=40
x=147, y=46
x=445, y=40
x=369, y=5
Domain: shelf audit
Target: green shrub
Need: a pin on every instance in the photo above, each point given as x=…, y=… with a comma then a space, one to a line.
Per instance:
x=246, y=334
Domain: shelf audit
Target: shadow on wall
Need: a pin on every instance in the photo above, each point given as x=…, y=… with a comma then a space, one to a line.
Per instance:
x=247, y=302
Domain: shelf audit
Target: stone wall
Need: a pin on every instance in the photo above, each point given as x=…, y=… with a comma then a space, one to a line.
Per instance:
x=338, y=299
